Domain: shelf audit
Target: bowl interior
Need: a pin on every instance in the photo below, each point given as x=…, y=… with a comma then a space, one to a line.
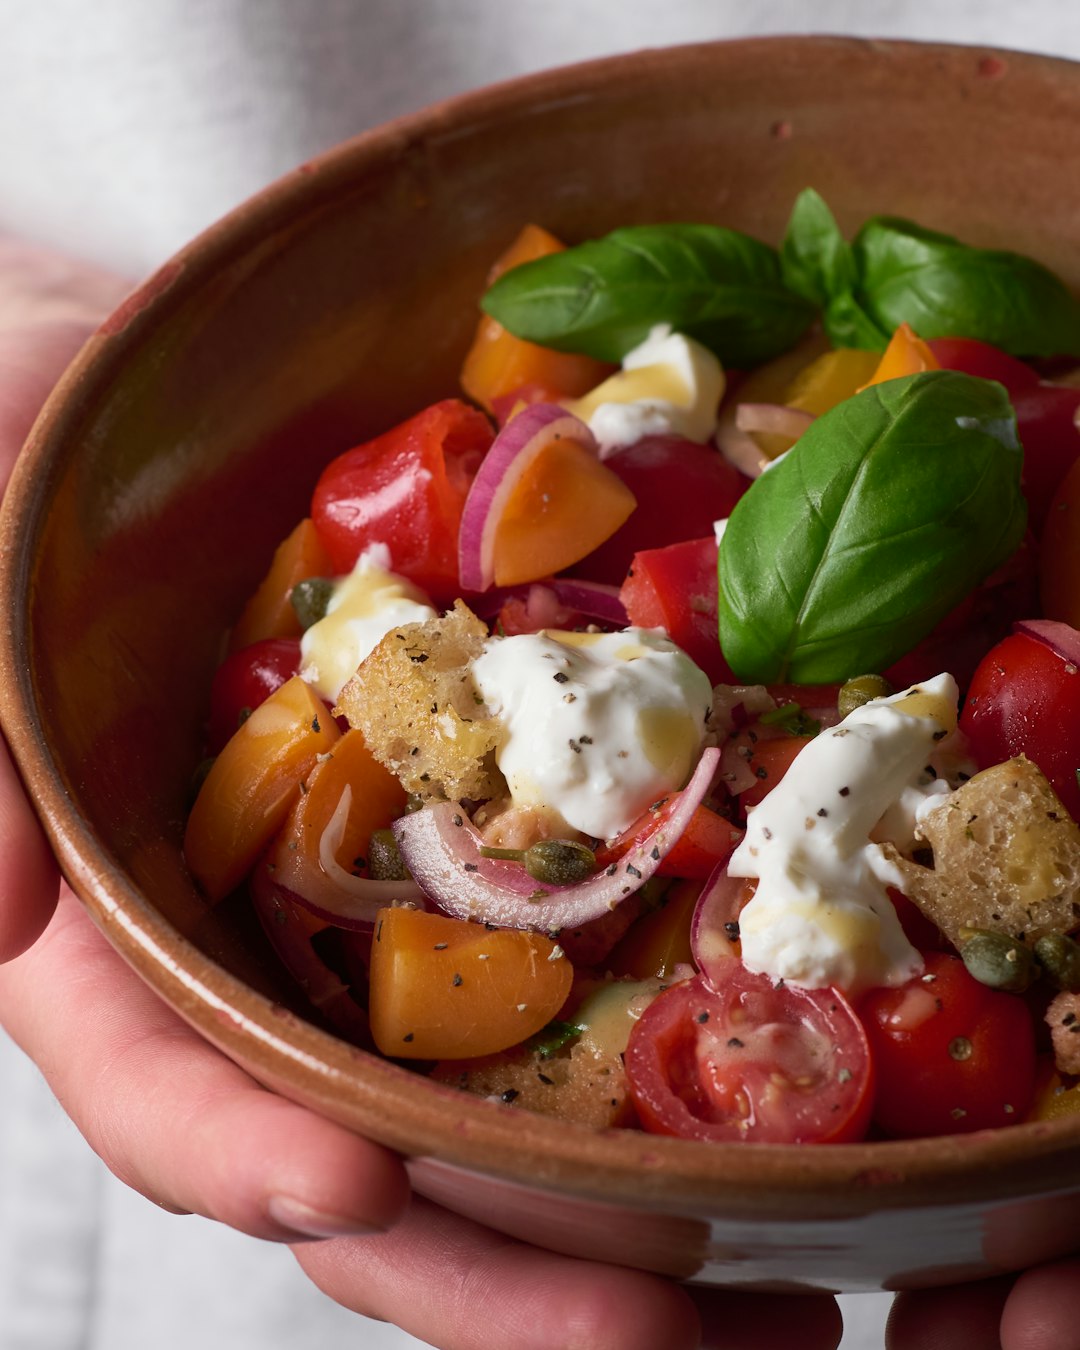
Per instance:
x=184, y=442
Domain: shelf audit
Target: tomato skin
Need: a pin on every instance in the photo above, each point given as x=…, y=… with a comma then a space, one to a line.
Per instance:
x=702, y=1063
x=951, y=1054
x=681, y=487
x=676, y=588
x=244, y=680
x=405, y=489
x=1024, y=698
x=1044, y=416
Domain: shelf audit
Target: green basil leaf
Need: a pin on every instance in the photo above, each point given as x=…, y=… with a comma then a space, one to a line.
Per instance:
x=815, y=259
x=942, y=288
x=886, y=513
x=603, y=297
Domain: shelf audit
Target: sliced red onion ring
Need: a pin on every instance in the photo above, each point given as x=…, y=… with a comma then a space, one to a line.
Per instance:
x=1060, y=637
x=441, y=849
x=594, y=599
x=515, y=448
x=775, y=419
x=739, y=448
x=711, y=940
x=550, y=600
x=328, y=890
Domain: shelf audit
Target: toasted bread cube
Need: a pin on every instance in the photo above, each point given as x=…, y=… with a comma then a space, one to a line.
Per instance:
x=416, y=703
x=1006, y=857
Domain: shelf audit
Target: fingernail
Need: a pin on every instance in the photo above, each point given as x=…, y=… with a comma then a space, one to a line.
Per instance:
x=317, y=1223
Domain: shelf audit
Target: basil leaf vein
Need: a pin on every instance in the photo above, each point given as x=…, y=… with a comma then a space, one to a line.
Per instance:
x=603, y=297
x=889, y=510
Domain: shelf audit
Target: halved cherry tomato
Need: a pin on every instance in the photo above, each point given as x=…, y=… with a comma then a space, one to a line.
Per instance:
x=244, y=680
x=405, y=489
x=676, y=588
x=951, y=1054
x=750, y=1061
x=770, y=758
x=681, y=488
x=1024, y=698
x=708, y=839
x=443, y=988
x=1045, y=416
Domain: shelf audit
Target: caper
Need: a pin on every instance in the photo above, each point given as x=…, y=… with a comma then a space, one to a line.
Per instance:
x=1060, y=958
x=385, y=862
x=310, y=597
x=554, y=862
x=559, y=862
x=859, y=690
x=999, y=961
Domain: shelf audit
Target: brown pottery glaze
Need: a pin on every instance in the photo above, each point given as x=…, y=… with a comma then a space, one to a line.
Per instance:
x=182, y=445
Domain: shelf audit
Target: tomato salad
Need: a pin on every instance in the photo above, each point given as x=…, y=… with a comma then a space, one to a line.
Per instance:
x=680, y=729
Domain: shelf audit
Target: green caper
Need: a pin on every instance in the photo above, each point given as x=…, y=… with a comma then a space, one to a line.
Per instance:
x=1059, y=956
x=999, y=961
x=385, y=862
x=559, y=862
x=859, y=690
x=554, y=862
x=310, y=597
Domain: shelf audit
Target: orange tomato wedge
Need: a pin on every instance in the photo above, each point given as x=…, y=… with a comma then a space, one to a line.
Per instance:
x=906, y=354
x=269, y=613
x=377, y=798
x=444, y=988
x=247, y=795
x=566, y=504
x=499, y=365
x=659, y=941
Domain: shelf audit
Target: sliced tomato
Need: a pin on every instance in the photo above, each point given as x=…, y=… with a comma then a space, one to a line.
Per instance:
x=405, y=490
x=951, y=1054
x=681, y=488
x=244, y=680
x=750, y=1061
x=1024, y=698
x=708, y=839
x=676, y=589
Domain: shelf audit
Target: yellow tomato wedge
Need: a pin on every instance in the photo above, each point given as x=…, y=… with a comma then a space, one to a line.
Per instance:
x=268, y=613
x=376, y=798
x=566, y=504
x=659, y=941
x=443, y=988
x=906, y=354
x=1059, y=553
x=253, y=783
x=499, y=365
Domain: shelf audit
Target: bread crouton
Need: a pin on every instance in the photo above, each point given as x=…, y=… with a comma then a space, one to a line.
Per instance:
x=416, y=703
x=1006, y=857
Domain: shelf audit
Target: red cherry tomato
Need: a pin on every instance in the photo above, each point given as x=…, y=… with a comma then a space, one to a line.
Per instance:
x=676, y=588
x=1045, y=416
x=709, y=839
x=1024, y=698
x=682, y=488
x=405, y=489
x=243, y=680
x=950, y=1054
x=749, y=1061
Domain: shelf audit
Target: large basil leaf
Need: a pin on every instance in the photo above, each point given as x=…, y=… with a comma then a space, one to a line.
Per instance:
x=886, y=513
x=944, y=288
x=603, y=297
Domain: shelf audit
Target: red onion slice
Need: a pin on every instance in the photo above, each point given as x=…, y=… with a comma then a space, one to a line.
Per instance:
x=441, y=849
x=775, y=419
x=1060, y=637
x=739, y=448
x=711, y=940
x=514, y=449
x=325, y=888
x=594, y=599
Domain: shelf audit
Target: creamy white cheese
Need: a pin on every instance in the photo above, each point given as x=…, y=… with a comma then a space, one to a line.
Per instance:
x=668, y=384
x=364, y=607
x=821, y=914
x=595, y=726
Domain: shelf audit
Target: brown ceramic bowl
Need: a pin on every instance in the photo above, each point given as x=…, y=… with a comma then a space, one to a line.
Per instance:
x=182, y=444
